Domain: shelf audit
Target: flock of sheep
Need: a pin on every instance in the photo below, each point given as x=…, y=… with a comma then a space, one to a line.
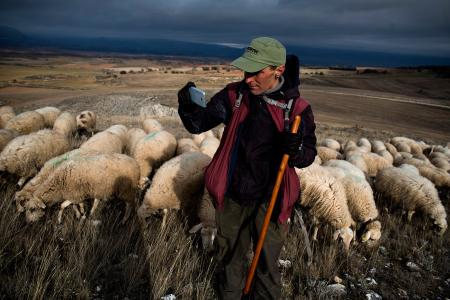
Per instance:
x=124, y=163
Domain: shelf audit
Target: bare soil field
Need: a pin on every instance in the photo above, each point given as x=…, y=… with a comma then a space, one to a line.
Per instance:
x=412, y=104
x=103, y=260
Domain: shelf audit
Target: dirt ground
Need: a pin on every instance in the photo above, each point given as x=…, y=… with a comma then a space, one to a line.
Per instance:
x=340, y=99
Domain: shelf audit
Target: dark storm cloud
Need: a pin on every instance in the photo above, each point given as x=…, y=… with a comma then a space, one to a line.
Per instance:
x=409, y=26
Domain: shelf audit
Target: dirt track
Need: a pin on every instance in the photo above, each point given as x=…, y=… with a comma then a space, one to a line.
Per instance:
x=410, y=119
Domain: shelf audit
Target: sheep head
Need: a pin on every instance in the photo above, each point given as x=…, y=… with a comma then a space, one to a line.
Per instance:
x=208, y=235
x=441, y=223
x=21, y=198
x=346, y=234
x=86, y=120
x=34, y=210
x=373, y=232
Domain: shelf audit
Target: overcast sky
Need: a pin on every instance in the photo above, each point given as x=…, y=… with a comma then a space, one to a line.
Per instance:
x=399, y=26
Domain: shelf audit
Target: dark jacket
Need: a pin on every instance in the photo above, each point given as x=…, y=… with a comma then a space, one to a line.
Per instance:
x=254, y=156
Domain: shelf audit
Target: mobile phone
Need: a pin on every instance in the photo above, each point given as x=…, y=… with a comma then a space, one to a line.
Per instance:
x=197, y=96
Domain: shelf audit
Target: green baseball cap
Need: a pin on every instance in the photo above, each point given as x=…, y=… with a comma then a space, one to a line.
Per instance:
x=262, y=52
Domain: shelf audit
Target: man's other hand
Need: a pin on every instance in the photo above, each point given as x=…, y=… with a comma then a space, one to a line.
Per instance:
x=184, y=97
x=290, y=143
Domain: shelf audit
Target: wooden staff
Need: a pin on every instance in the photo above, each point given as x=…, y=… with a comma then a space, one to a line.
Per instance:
x=262, y=236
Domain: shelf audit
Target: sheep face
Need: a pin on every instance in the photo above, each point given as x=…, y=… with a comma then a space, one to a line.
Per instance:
x=86, y=120
x=20, y=198
x=208, y=234
x=441, y=225
x=346, y=234
x=34, y=210
x=373, y=232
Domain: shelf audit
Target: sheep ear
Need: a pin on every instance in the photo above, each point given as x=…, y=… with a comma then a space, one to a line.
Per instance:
x=365, y=237
x=336, y=234
x=196, y=228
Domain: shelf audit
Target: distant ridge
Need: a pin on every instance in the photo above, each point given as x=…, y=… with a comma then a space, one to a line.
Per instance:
x=11, y=35
x=309, y=56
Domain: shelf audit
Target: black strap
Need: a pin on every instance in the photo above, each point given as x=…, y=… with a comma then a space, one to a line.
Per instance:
x=287, y=107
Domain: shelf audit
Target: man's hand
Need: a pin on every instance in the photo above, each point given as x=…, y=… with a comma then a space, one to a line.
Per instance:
x=184, y=97
x=290, y=143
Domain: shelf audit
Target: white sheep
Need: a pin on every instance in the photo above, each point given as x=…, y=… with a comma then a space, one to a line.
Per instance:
x=317, y=160
x=151, y=151
x=209, y=146
x=405, y=187
x=220, y=132
x=151, y=125
x=175, y=184
x=6, y=114
x=438, y=148
x=372, y=232
x=121, y=131
x=369, y=163
x=98, y=177
x=186, y=145
x=365, y=144
x=358, y=161
x=26, y=154
x=207, y=226
x=26, y=122
x=324, y=197
x=351, y=149
x=403, y=147
x=435, y=154
x=392, y=150
x=65, y=124
x=47, y=169
x=198, y=138
x=377, y=146
x=411, y=145
x=326, y=153
x=439, y=177
x=134, y=136
x=6, y=135
x=441, y=163
x=330, y=143
x=387, y=156
x=86, y=120
x=50, y=115
x=105, y=142
x=358, y=191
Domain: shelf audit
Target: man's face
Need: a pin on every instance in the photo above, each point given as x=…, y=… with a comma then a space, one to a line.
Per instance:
x=261, y=81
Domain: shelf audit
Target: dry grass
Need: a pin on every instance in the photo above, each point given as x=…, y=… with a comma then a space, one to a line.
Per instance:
x=107, y=260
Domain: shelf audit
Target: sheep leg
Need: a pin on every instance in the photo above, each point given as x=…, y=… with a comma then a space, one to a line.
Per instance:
x=83, y=212
x=94, y=206
x=127, y=213
x=77, y=212
x=410, y=214
x=63, y=205
x=315, y=222
x=315, y=229
x=163, y=224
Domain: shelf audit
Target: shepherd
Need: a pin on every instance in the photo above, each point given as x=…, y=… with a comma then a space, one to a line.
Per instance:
x=258, y=113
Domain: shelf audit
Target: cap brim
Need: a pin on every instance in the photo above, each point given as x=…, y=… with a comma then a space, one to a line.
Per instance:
x=248, y=65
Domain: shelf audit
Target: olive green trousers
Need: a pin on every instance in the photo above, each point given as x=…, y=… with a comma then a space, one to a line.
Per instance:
x=237, y=227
